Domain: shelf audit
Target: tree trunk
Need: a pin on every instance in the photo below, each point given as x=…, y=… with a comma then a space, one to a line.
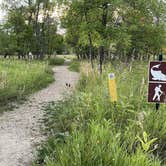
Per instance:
x=104, y=23
x=37, y=29
x=101, y=59
x=90, y=41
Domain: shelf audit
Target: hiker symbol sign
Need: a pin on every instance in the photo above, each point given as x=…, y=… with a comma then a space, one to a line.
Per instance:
x=157, y=82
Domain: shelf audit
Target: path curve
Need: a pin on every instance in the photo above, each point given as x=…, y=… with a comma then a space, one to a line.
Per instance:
x=20, y=129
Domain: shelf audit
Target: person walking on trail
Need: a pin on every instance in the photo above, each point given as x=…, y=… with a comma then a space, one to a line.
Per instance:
x=158, y=93
x=30, y=55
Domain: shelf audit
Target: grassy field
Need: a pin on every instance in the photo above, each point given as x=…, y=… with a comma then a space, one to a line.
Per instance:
x=88, y=130
x=20, y=78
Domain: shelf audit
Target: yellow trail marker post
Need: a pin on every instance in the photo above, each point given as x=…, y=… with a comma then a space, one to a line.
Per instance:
x=112, y=87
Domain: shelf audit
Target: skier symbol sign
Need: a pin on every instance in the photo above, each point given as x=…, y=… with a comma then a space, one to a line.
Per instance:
x=157, y=82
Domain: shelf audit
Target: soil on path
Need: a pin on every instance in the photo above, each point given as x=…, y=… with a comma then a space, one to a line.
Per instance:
x=20, y=129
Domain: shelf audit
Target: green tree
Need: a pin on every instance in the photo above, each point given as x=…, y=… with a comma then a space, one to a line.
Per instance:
x=32, y=27
x=126, y=29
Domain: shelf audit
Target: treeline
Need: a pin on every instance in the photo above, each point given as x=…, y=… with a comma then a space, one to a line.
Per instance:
x=96, y=29
x=30, y=26
x=125, y=29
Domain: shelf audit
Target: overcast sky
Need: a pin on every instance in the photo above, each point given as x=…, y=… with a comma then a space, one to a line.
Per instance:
x=1, y=13
x=2, y=18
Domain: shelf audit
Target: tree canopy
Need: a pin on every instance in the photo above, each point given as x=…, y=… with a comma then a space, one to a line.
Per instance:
x=115, y=29
x=102, y=29
x=30, y=27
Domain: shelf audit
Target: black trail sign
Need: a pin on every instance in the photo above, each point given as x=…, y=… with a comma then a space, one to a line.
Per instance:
x=157, y=82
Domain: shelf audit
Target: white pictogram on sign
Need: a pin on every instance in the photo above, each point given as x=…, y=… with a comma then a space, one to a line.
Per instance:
x=158, y=93
x=157, y=75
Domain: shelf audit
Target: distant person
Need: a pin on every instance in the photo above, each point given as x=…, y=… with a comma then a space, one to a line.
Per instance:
x=30, y=55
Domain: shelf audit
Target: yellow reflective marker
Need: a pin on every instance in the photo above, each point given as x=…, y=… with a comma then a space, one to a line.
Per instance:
x=112, y=87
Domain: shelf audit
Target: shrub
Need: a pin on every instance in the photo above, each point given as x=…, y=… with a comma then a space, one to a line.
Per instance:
x=56, y=61
x=74, y=66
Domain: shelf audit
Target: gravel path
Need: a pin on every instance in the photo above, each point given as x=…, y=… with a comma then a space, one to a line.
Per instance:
x=20, y=129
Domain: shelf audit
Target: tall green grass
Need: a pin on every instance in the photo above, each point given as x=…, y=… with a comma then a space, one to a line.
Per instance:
x=74, y=66
x=88, y=130
x=19, y=78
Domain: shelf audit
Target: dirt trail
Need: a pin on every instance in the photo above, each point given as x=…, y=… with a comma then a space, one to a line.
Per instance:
x=20, y=129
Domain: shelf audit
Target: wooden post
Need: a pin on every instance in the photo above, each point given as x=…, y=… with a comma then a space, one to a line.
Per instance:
x=160, y=58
